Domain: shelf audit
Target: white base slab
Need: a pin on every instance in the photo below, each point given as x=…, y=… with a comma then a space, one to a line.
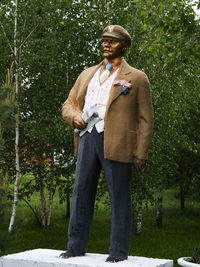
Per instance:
x=50, y=258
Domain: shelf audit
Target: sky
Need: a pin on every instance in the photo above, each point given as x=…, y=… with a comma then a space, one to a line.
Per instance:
x=195, y=8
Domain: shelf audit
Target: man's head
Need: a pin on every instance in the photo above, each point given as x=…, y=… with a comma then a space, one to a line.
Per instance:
x=115, y=41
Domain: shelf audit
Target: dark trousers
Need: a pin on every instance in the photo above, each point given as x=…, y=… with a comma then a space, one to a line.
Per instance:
x=118, y=178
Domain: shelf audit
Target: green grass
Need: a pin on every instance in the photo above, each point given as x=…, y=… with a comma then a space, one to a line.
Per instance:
x=178, y=237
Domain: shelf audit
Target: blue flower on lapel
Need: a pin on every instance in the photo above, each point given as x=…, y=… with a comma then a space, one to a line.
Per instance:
x=124, y=90
x=125, y=86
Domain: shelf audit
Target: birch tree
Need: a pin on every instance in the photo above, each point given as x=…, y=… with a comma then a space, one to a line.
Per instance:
x=17, y=165
x=47, y=139
x=16, y=51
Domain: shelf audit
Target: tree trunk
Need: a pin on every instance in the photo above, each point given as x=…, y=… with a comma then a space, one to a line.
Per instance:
x=43, y=201
x=17, y=179
x=51, y=194
x=42, y=195
x=138, y=229
x=159, y=208
x=43, y=206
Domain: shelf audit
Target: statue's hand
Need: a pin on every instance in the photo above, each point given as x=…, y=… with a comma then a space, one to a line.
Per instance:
x=139, y=163
x=79, y=122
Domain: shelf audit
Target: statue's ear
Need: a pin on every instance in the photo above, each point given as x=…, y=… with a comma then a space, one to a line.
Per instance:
x=125, y=46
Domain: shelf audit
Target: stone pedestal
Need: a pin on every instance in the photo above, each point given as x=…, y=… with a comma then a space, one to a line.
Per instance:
x=50, y=258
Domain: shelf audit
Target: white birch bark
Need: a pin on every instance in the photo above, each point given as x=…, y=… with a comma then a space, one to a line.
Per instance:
x=138, y=229
x=43, y=206
x=17, y=179
x=51, y=194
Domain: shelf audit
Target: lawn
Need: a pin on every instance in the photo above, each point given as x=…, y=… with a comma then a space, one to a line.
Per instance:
x=178, y=237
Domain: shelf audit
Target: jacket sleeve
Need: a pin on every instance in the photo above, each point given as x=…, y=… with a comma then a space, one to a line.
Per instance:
x=145, y=117
x=69, y=107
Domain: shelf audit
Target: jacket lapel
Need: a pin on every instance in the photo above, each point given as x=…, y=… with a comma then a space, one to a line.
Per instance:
x=91, y=74
x=123, y=74
x=86, y=81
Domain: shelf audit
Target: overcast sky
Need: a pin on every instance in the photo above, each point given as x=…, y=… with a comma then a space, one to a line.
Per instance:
x=195, y=8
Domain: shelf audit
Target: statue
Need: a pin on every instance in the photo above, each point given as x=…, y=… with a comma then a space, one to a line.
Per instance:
x=111, y=110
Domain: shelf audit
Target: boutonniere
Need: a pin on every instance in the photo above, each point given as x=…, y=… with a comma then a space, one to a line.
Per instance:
x=125, y=86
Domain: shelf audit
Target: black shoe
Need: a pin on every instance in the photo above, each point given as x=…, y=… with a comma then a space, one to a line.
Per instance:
x=70, y=253
x=113, y=259
x=65, y=255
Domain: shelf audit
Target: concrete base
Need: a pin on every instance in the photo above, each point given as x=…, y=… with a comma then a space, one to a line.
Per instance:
x=50, y=258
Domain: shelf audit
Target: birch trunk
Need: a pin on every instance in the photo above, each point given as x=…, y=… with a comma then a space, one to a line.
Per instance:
x=138, y=229
x=43, y=207
x=51, y=194
x=43, y=202
x=17, y=179
x=159, y=208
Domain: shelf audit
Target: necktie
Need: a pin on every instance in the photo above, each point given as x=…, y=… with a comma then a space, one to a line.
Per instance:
x=106, y=73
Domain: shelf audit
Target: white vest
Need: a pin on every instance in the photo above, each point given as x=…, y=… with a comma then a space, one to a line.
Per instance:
x=98, y=95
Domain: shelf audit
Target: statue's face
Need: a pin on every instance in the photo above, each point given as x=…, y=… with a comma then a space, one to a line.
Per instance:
x=112, y=47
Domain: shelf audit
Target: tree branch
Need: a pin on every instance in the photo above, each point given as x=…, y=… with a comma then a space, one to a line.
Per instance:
x=25, y=40
x=36, y=216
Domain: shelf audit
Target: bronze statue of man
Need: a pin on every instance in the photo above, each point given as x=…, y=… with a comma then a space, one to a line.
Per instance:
x=111, y=110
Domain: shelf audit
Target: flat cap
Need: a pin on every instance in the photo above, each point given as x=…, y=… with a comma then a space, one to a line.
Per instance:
x=118, y=32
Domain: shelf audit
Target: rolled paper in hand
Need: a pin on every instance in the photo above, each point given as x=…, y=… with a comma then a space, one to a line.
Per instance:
x=88, y=113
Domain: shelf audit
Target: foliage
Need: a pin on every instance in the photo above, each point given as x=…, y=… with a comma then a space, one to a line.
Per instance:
x=7, y=117
x=196, y=257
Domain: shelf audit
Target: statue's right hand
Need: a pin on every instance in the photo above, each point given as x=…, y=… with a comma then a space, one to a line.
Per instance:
x=79, y=122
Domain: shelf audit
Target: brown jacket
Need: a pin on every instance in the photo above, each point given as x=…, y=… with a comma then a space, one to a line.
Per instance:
x=128, y=126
